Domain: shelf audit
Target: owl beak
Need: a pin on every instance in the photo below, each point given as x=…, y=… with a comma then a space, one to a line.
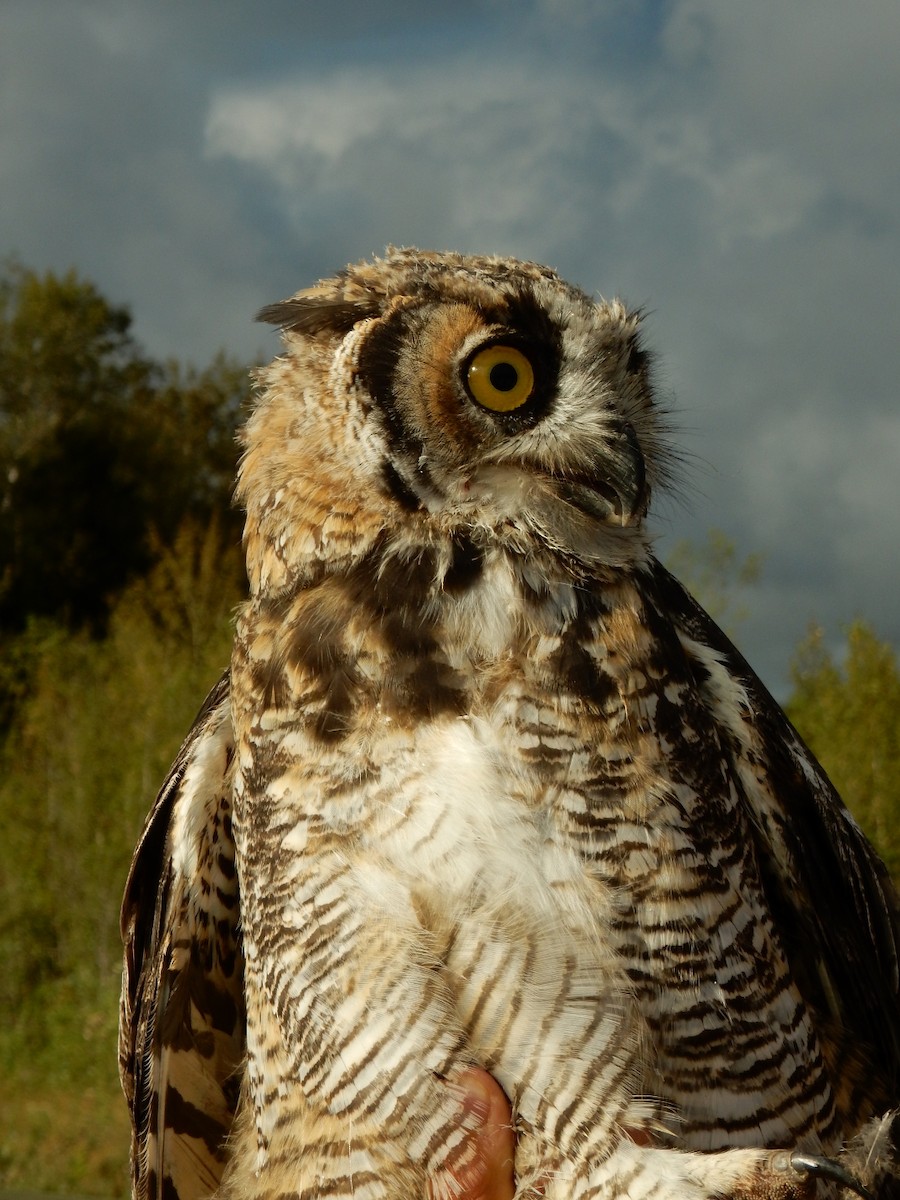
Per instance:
x=616, y=491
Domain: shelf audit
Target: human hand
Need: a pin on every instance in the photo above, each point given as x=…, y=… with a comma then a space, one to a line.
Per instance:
x=488, y=1171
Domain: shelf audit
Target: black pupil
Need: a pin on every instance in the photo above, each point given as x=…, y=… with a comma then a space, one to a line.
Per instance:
x=503, y=377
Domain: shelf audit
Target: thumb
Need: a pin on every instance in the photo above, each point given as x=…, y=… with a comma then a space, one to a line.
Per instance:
x=486, y=1172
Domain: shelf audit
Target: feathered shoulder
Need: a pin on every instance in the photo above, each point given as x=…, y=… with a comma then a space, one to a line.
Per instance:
x=831, y=896
x=182, y=1031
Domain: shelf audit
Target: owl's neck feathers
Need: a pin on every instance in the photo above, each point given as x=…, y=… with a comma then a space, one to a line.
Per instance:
x=405, y=624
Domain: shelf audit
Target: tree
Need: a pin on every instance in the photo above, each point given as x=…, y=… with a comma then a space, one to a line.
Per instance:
x=713, y=573
x=64, y=349
x=101, y=449
x=90, y=743
x=71, y=525
x=848, y=712
x=196, y=414
x=120, y=566
x=88, y=749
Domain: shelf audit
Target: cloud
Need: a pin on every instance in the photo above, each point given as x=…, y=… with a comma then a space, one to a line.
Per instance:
x=556, y=150
x=732, y=168
x=438, y=151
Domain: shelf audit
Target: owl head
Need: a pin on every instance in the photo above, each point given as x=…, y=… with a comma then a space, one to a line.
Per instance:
x=434, y=394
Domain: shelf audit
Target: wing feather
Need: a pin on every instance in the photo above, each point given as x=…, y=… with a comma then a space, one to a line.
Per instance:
x=836, y=907
x=182, y=1028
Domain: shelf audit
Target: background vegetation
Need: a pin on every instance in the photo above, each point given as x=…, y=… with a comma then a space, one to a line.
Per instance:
x=119, y=570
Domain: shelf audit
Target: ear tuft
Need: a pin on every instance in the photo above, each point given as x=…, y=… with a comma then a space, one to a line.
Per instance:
x=312, y=314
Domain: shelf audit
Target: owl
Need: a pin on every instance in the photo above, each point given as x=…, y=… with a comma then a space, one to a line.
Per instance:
x=483, y=785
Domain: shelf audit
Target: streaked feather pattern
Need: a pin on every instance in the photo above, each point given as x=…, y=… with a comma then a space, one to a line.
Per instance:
x=502, y=795
x=183, y=1019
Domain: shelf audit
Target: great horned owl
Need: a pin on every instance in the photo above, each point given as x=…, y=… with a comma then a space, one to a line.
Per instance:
x=502, y=794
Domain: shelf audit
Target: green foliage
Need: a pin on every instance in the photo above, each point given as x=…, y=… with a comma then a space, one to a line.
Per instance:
x=90, y=745
x=70, y=1139
x=64, y=348
x=99, y=448
x=848, y=712
x=195, y=414
x=119, y=568
x=714, y=574
x=69, y=370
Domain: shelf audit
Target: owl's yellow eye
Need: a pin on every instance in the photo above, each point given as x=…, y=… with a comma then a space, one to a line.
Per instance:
x=500, y=378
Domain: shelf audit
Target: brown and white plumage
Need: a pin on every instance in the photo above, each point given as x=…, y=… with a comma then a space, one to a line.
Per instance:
x=182, y=1035
x=502, y=794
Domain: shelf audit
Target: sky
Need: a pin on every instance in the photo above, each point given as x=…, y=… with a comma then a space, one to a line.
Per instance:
x=732, y=169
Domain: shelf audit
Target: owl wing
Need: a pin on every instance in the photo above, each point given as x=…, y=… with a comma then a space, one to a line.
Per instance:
x=834, y=904
x=182, y=1028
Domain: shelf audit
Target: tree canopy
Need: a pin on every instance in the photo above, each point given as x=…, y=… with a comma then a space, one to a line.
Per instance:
x=103, y=453
x=847, y=707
